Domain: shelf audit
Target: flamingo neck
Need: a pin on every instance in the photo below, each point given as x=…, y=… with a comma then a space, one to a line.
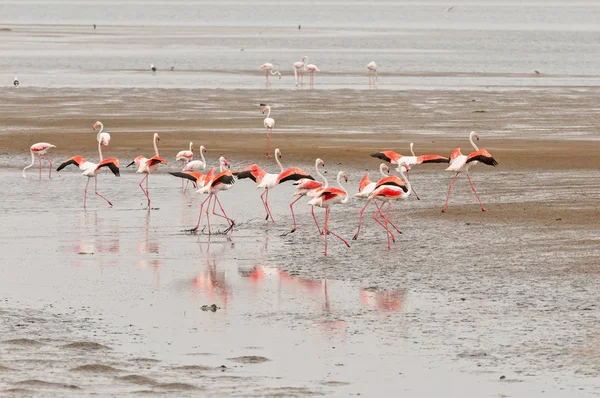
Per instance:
x=471, y=139
x=191, y=145
x=405, y=180
x=202, y=156
x=32, y=162
x=411, y=149
x=278, y=162
x=268, y=111
x=100, y=131
x=339, y=182
x=221, y=165
x=155, y=147
x=325, y=182
x=382, y=166
x=100, y=150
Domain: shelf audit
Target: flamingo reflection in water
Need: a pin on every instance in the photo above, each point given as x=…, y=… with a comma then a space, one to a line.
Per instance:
x=210, y=283
x=382, y=300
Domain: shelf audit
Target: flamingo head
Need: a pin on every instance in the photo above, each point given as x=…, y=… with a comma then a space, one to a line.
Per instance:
x=265, y=108
x=278, y=153
x=345, y=176
x=202, y=148
x=321, y=162
x=96, y=125
x=475, y=135
x=225, y=162
x=156, y=137
x=387, y=168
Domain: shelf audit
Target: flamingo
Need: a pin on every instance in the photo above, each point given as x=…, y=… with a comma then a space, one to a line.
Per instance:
x=327, y=198
x=309, y=187
x=460, y=163
x=367, y=187
x=372, y=67
x=196, y=165
x=268, y=67
x=147, y=166
x=184, y=157
x=103, y=136
x=221, y=182
x=266, y=181
x=91, y=170
x=269, y=123
x=40, y=149
x=311, y=69
x=299, y=70
x=394, y=158
x=198, y=179
x=390, y=188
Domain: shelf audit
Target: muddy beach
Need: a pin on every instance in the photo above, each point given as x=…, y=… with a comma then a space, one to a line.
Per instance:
x=111, y=299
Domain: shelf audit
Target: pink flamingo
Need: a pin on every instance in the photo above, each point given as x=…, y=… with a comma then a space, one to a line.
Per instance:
x=327, y=198
x=372, y=67
x=269, y=123
x=309, y=187
x=221, y=182
x=268, y=67
x=299, y=70
x=311, y=69
x=147, y=166
x=460, y=163
x=40, y=149
x=91, y=170
x=386, y=192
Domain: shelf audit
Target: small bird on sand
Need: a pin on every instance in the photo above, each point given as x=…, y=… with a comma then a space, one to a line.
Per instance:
x=153, y=68
x=16, y=82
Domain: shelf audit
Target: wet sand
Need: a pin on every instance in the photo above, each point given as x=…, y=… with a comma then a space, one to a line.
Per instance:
x=461, y=298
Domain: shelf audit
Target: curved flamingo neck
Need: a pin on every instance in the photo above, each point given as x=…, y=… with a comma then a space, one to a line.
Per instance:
x=268, y=111
x=383, y=166
x=339, y=182
x=277, y=158
x=155, y=147
x=100, y=131
x=221, y=165
x=411, y=149
x=32, y=162
x=471, y=139
x=325, y=182
x=191, y=145
x=100, y=150
x=202, y=156
x=406, y=181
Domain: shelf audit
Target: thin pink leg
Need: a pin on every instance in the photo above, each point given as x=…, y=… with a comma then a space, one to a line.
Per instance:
x=215, y=202
x=208, y=215
x=144, y=190
x=389, y=221
x=268, y=143
x=97, y=193
x=200, y=216
x=316, y=222
x=231, y=222
x=293, y=215
x=267, y=204
x=85, y=193
x=262, y=198
x=325, y=230
x=449, y=189
x=360, y=219
x=147, y=191
x=412, y=186
x=49, y=161
x=475, y=192
x=40, y=157
x=384, y=225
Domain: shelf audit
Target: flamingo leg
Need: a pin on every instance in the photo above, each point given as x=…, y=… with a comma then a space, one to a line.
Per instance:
x=360, y=219
x=267, y=76
x=147, y=191
x=267, y=204
x=325, y=231
x=389, y=221
x=316, y=222
x=449, y=189
x=229, y=220
x=85, y=193
x=49, y=161
x=262, y=198
x=200, y=216
x=475, y=192
x=97, y=193
x=208, y=215
x=384, y=225
x=293, y=215
x=268, y=143
x=412, y=186
x=40, y=157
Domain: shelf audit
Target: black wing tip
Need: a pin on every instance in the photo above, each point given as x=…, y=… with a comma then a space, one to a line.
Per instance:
x=296, y=177
x=381, y=156
x=438, y=160
x=246, y=174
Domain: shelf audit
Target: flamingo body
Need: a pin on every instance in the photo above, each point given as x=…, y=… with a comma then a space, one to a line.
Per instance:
x=40, y=150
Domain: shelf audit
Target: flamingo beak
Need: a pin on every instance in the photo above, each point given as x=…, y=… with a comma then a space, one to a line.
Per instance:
x=477, y=137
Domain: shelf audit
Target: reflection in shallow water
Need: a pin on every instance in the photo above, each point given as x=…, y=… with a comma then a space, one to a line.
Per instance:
x=212, y=283
x=384, y=301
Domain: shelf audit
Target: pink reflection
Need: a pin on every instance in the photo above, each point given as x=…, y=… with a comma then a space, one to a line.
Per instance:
x=383, y=301
x=212, y=283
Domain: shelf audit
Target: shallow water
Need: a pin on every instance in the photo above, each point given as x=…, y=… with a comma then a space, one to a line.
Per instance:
x=452, y=301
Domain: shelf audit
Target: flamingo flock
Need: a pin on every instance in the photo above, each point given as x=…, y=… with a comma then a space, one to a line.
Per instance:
x=387, y=189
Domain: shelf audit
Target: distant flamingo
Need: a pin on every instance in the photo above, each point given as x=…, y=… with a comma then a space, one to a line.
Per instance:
x=268, y=67
x=311, y=69
x=393, y=158
x=147, y=166
x=372, y=67
x=327, y=198
x=198, y=179
x=195, y=165
x=299, y=70
x=460, y=163
x=91, y=170
x=184, y=157
x=309, y=187
x=103, y=137
x=269, y=123
x=221, y=182
x=367, y=187
x=386, y=192
x=40, y=149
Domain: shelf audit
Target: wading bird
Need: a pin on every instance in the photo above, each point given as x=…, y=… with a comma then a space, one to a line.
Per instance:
x=91, y=170
x=268, y=67
x=299, y=71
x=40, y=149
x=16, y=82
x=269, y=123
x=184, y=157
x=460, y=163
x=309, y=187
x=311, y=69
x=372, y=67
x=327, y=198
x=147, y=166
